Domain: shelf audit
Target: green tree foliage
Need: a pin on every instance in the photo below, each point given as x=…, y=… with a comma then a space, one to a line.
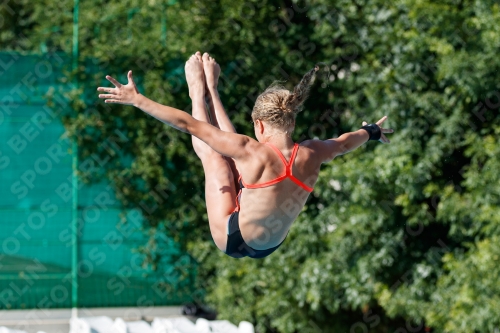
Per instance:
x=395, y=238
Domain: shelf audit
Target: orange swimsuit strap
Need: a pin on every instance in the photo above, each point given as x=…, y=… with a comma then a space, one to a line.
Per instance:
x=286, y=174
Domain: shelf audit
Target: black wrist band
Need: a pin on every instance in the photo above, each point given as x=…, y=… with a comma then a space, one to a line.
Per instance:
x=373, y=130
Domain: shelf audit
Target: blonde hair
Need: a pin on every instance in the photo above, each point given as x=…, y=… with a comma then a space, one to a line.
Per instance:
x=279, y=106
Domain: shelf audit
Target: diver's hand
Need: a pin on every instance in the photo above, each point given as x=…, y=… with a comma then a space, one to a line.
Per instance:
x=121, y=94
x=383, y=138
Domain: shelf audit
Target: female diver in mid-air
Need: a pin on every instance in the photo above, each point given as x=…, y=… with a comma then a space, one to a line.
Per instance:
x=254, y=189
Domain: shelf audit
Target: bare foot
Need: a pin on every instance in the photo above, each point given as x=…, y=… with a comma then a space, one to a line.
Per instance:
x=194, y=76
x=212, y=71
x=207, y=92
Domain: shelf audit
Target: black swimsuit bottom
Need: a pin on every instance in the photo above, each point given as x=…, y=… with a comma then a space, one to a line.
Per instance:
x=236, y=246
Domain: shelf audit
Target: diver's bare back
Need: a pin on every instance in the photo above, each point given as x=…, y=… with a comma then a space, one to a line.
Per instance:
x=266, y=214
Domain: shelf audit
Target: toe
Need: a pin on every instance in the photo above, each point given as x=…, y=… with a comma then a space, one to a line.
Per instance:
x=206, y=56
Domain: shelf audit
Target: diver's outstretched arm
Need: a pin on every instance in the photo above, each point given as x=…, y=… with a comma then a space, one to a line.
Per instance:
x=226, y=143
x=128, y=94
x=327, y=150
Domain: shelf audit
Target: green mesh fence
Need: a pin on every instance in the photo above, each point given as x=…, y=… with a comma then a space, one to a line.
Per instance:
x=36, y=211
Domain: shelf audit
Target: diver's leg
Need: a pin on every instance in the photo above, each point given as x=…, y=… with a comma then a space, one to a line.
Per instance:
x=220, y=191
x=212, y=73
x=217, y=112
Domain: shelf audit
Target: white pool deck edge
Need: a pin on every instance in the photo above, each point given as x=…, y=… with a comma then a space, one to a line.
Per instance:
x=62, y=316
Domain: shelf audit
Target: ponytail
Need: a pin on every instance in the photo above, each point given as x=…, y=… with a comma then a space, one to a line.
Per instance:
x=278, y=106
x=301, y=90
